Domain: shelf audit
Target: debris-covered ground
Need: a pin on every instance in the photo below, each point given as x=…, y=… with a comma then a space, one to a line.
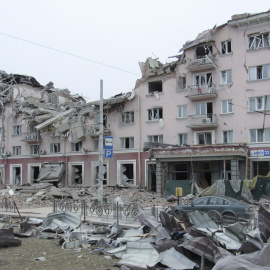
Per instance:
x=63, y=241
x=33, y=251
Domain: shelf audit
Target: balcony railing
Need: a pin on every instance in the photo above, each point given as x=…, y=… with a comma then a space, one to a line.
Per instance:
x=201, y=91
x=201, y=63
x=203, y=121
x=32, y=137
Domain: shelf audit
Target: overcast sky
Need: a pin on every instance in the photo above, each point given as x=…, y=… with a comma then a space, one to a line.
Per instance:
x=103, y=39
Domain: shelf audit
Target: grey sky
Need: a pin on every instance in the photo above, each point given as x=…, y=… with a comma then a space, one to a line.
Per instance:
x=115, y=33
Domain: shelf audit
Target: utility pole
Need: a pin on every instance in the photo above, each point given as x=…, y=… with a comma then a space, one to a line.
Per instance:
x=101, y=168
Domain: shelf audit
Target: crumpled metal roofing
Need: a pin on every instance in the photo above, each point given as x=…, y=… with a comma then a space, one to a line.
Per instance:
x=259, y=260
x=62, y=220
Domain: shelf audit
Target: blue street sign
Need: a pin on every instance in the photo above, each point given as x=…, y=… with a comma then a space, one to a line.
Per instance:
x=108, y=142
x=108, y=153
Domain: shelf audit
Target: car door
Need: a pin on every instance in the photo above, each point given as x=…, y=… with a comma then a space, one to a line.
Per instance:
x=216, y=203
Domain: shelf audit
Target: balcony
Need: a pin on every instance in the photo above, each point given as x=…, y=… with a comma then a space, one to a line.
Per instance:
x=200, y=63
x=204, y=91
x=32, y=137
x=203, y=121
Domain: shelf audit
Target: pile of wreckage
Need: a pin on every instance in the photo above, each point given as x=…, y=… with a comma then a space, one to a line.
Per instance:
x=194, y=242
x=43, y=195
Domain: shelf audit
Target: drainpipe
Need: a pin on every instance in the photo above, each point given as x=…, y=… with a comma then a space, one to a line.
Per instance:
x=139, y=142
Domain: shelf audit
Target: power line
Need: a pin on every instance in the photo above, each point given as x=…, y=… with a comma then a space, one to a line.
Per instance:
x=70, y=54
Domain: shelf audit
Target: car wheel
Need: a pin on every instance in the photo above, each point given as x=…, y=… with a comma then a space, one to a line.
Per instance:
x=215, y=216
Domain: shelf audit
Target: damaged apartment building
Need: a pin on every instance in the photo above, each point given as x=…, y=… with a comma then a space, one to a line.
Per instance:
x=216, y=107
x=201, y=117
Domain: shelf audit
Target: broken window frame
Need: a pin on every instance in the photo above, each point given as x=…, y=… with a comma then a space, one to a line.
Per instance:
x=203, y=80
x=181, y=83
x=127, y=118
x=34, y=149
x=208, y=50
x=226, y=77
x=127, y=142
x=155, y=86
x=260, y=72
x=17, y=150
x=182, y=111
x=155, y=138
x=261, y=103
x=155, y=114
x=259, y=41
x=182, y=139
x=226, y=106
x=17, y=130
x=227, y=136
x=226, y=47
x=55, y=148
x=259, y=135
x=76, y=147
x=120, y=164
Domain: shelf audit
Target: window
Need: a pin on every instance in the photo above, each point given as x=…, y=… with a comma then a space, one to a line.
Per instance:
x=226, y=47
x=203, y=108
x=55, y=147
x=17, y=130
x=155, y=138
x=155, y=114
x=203, y=79
x=182, y=111
x=16, y=150
x=155, y=86
x=1, y=111
x=259, y=103
x=182, y=138
x=76, y=147
x=34, y=149
x=228, y=136
x=204, y=138
x=202, y=51
x=127, y=118
x=181, y=83
x=126, y=172
x=127, y=143
x=259, y=72
x=226, y=106
x=260, y=135
x=201, y=201
x=226, y=76
x=259, y=41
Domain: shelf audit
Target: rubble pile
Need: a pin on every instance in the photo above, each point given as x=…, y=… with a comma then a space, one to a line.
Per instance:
x=192, y=242
x=43, y=194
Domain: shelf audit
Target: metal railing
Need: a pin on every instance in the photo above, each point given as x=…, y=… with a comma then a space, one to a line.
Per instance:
x=117, y=211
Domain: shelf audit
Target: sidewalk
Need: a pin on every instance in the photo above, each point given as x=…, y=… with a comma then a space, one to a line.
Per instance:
x=42, y=212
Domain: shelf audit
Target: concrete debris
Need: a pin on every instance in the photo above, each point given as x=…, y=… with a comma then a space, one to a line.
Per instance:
x=151, y=242
x=7, y=238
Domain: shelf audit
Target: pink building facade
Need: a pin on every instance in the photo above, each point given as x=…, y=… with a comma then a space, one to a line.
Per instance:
x=202, y=117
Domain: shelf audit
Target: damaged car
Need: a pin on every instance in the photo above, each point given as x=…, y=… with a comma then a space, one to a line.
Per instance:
x=225, y=206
